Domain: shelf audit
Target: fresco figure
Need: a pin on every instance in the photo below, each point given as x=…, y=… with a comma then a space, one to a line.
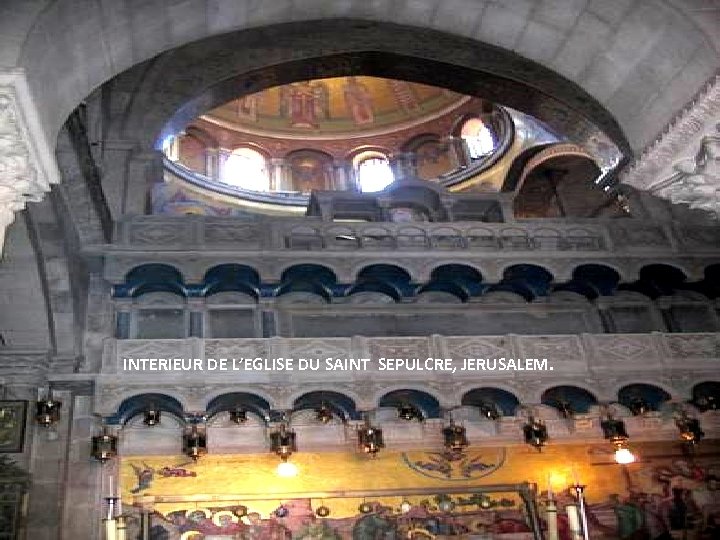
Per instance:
x=302, y=105
x=656, y=518
x=359, y=101
x=248, y=107
x=145, y=475
x=317, y=529
x=630, y=521
x=322, y=100
x=374, y=527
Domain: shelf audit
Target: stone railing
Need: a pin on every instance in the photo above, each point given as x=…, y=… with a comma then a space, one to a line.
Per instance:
x=601, y=362
x=309, y=234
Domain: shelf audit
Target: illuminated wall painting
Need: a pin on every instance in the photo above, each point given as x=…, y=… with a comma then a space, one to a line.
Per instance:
x=684, y=490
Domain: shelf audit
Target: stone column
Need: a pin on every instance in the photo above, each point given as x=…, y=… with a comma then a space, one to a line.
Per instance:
x=144, y=170
x=212, y=163
x=276, y=174
x=340, y=180
x=196, y=307
x=48, y=468
x=83, y=482
x=507, y=207
x=116, y=158
x=123, y=317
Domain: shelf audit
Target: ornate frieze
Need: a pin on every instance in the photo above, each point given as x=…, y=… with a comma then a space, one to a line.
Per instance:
x=600, y=362
x=683, y=164
x=27, y=165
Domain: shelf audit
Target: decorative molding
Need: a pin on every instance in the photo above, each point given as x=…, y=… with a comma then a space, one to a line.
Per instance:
x=683, y=163
x=27, y=163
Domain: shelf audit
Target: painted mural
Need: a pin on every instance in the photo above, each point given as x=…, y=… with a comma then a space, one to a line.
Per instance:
x=669, y=493
x=337, y=105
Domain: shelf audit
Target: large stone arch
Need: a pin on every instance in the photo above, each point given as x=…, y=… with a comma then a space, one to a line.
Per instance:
x=641, y=61
x=623, y=53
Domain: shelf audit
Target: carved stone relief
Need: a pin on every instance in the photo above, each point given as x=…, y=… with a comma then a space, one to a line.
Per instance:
x=683, y=164
x=23, y=178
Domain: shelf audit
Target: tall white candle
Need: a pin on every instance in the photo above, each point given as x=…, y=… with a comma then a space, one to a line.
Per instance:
x=111, y=529
x=574, y=521
x=121, y=529
x=552, y=524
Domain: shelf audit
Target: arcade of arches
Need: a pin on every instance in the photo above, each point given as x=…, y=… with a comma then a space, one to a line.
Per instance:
x=358, y=270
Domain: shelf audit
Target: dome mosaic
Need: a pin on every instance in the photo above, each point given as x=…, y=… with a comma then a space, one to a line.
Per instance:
x=338, y=106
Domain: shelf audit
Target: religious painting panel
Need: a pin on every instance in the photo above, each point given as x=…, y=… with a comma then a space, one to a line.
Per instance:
x=13, y=415
x=478, y=493
x=310, y=170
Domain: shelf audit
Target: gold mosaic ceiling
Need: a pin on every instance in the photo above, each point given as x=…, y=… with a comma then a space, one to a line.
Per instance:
x=340, y=106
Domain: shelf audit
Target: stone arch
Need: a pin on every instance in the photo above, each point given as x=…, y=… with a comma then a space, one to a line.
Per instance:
x=50, y=72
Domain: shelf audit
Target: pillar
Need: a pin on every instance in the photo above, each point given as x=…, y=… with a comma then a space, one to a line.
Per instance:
x=144, y=170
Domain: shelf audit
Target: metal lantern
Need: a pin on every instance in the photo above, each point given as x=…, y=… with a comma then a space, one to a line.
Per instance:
x=565, y=409
x=238, y=415
x=614, y=430
x=151, y=416
x=322, y=511
x=104, y=446
x=323, y=414
x=194, y=443
x=283, y=442
x=455, y=437
x=638, y=406
x=282, y=511
x=48, y=412
x=690, y=430
x=370, y=439
x=408, y=411
x=535, y=433
x=489, y=411
x=365, y=508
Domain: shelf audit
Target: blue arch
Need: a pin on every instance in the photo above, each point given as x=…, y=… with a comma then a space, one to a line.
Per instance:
x=654, y=396
x=467, y=277
x=309, y=272
x=341, y=405
x=578, y=399
x=245, y=400
x=136, y=405
x=427, y=404
x=601, y=278
x=231, y=277
x=151, y=277
x=506, y=402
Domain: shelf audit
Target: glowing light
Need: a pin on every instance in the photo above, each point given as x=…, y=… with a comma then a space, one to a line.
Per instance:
x=374, y=174
x=286, y=469
x=624, y=456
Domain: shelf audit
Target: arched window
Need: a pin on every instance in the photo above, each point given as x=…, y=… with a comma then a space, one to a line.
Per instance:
x=478, y=138
x=246, y=168
x=373, y=171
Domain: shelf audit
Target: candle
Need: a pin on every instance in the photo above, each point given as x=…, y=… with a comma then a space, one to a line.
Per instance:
x=552, y=524
x=574, y=522
x=112, y=492
x=111, y=529
x=121, y=529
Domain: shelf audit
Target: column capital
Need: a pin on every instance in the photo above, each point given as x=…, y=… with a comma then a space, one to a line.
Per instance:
x=681, y=164
x=27, y=161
